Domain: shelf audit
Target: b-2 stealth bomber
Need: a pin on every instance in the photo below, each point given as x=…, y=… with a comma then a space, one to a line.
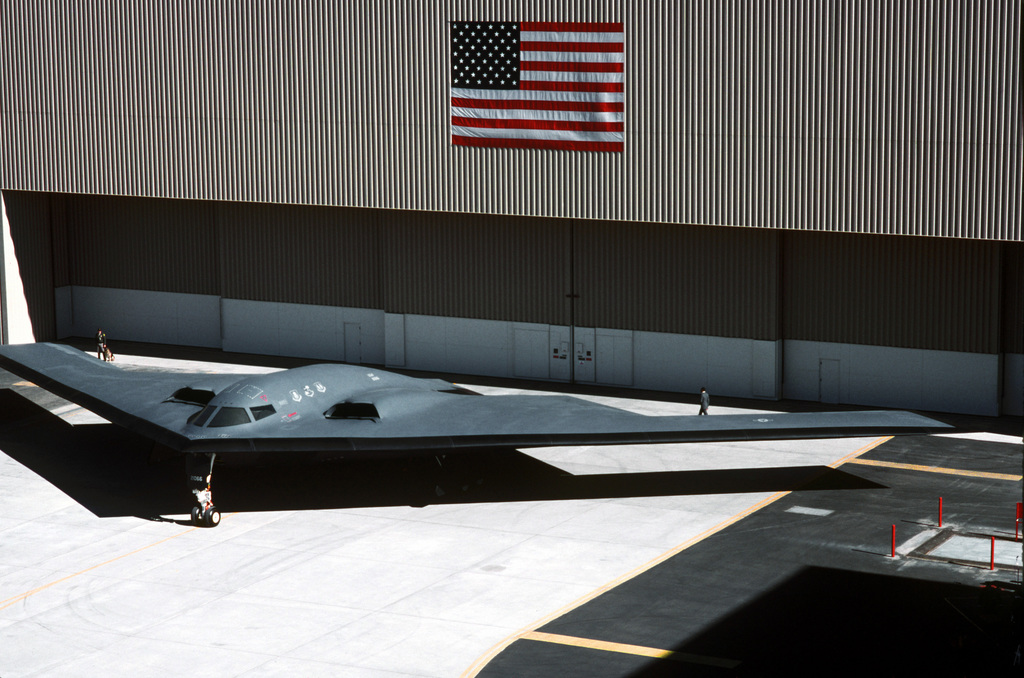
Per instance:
x=349, y=411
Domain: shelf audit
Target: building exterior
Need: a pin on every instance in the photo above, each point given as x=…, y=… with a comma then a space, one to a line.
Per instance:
x=813, y=200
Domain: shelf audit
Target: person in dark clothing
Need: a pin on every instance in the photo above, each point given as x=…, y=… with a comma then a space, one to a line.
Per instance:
x=705, y=400
x=101, y=344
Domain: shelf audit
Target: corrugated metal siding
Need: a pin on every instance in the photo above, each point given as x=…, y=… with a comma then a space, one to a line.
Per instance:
x=29, y=218
x=305, y=255
x=879, y=290
x=659, y=278
x=853, y=116
x=1013, y=298
x=137, y=243
x=477, y=266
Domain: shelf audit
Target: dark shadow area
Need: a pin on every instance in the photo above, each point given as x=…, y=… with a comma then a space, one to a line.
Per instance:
x=970, y=455
x=820, y=622
x=112, y=472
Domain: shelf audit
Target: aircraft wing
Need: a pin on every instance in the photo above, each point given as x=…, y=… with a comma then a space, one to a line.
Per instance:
x=408, y=415
x=448, y=421
x=141, y=402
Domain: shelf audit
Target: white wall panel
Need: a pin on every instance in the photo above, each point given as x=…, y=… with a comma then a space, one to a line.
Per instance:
x=941, y=381
x=1013, y=384
x=140, y=315
x=303, y=330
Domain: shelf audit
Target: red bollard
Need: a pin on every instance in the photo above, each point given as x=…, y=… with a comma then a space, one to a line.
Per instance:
x=1016, y=523
x=940, y=511
x=993, y=565
x=893, y=541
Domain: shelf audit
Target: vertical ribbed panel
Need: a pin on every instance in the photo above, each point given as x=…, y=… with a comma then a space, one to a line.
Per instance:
x=476, y=266
x=660, y=278
x=1013, y=298
x=304, y=255
x=134, y=243
x=879, y=290
x=856, y=116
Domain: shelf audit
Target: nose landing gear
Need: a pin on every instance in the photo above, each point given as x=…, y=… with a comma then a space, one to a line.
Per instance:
x=200, y=475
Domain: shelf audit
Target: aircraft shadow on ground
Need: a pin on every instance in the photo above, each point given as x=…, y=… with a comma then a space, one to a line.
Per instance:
x=109, y=472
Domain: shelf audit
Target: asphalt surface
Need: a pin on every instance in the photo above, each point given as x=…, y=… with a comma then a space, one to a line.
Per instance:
x=718, y=559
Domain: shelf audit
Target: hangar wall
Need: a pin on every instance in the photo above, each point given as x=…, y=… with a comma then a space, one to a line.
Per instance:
x=745, y=312
x=279, y=175
x=800, y=115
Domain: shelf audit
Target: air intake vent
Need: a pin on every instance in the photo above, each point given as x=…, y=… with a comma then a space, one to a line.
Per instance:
x=191, y=396
x=352, y=411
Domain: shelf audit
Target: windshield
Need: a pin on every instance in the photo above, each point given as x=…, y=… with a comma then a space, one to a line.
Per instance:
x=230, y=416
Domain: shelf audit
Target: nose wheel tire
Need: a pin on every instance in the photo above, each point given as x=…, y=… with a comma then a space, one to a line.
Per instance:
x=211, y=517
x=208, y=518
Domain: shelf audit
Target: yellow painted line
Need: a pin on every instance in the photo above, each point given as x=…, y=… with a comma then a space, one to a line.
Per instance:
x=23, y=383
x=937, y=469
x=4, y=604
x=638, y=650
x=483, y=661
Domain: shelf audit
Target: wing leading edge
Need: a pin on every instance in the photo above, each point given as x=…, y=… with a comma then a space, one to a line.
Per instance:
x=137, y=401
x=414, y=415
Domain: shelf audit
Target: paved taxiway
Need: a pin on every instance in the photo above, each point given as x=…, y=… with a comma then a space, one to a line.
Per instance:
x=502, y=564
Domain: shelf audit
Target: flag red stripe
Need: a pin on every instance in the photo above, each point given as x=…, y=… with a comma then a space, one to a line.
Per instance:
x=574, y=26
x=571, y=86
x=554, y=125
x=533, y=46
x=483, y=142
x=582, y=66
x=520, y=104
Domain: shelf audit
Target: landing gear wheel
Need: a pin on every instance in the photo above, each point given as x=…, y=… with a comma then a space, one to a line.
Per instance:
x=197, y=515
x=211, y=517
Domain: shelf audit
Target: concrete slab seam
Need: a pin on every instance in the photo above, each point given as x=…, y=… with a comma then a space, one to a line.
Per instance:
x=4, y=604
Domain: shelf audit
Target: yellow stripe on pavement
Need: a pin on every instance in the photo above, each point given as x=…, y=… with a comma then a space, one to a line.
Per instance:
x=623, y=648
x=4, y=604
x=936, y=469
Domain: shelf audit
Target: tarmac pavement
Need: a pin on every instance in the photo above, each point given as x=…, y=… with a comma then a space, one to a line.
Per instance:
x=718, y=559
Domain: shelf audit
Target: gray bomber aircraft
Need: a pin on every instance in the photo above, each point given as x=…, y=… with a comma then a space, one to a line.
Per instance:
x=351, y=411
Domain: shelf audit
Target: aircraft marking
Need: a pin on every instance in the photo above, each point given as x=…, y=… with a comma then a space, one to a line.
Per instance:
x=623, y=648
x=937, y=469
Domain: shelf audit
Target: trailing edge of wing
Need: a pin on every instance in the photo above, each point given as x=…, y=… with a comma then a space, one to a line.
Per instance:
x=635, y=429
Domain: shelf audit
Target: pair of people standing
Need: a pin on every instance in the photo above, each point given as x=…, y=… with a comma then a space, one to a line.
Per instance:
x=102, y=350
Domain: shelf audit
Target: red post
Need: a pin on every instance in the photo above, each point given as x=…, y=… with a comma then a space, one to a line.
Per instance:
x=993, y=565
x=1016, y=523
x=893, y=541
x=940, y=511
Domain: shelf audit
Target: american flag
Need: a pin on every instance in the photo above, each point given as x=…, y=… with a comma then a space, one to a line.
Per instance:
x=554, y=85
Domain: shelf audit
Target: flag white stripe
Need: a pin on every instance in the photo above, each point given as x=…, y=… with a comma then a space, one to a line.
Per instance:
x=569, y=36
x=572, y=57
x=535, y=95
x=570, y=76
x=523, y=114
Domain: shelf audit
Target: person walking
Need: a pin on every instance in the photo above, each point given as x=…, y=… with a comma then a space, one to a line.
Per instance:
x=705, y=400
x=101, y=345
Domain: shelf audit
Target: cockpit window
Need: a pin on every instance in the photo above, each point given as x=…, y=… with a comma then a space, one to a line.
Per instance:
x=230, y=416
x=203, y=415
x=262, y=412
